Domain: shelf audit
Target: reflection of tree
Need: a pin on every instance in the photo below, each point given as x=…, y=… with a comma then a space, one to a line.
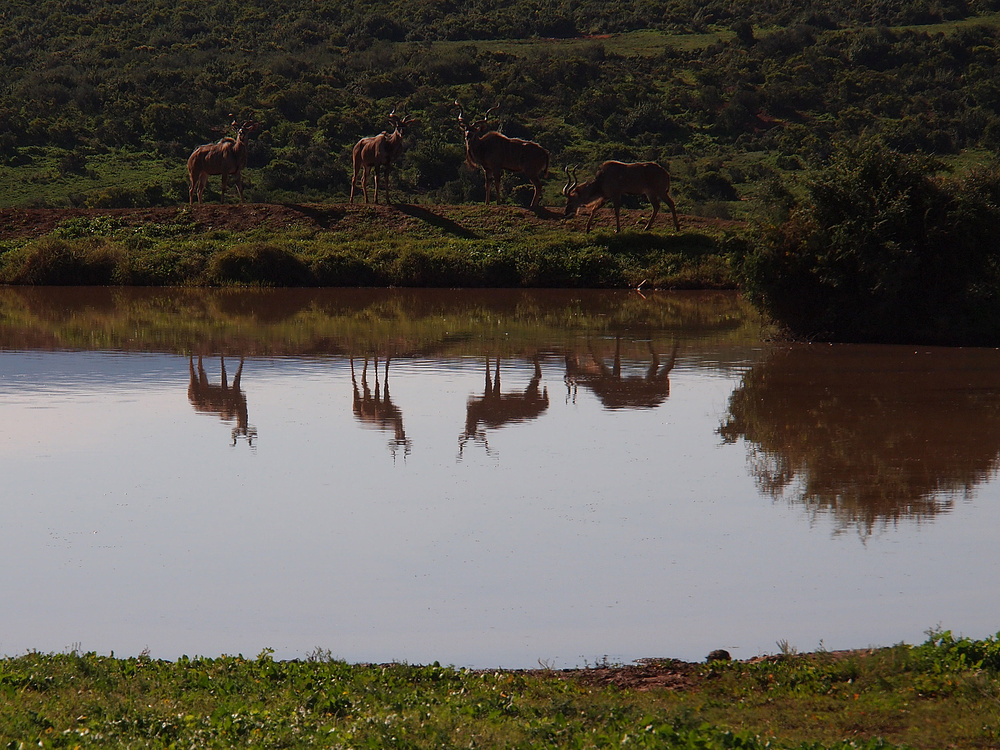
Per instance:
x=495, y=409
x=618, y=390
x=227, y=401
x=870, y=435
x=378, y=411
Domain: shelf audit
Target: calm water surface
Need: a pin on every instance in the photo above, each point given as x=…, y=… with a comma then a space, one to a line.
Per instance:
x=481, y=478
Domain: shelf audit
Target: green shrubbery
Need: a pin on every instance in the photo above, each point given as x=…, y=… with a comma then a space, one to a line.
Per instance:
x=882, y=250
x=489, y=248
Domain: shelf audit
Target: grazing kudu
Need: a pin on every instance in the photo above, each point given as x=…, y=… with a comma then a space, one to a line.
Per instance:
x=618, y=391
x=378, y=411
x=378, y=153
x=495, y=409
x=495, y=152
x=225, y=400
x=226, y=157
x=615, y=179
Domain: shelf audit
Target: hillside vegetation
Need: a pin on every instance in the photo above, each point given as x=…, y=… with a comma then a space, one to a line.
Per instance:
x=858, y=140
x=103, y=101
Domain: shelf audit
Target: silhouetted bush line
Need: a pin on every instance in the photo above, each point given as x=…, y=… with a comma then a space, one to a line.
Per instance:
x=882, y=250
x=597, y=262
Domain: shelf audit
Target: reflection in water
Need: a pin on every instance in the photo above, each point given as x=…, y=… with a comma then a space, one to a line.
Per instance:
x=495, y=409
x=627, y=531
x=870, y=435
x=378, y=411
x=225, y=400
x=618, y=391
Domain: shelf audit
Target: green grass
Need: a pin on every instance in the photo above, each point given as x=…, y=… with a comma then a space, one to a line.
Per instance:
x=49, y=177
x=641, y=43
x=943, y=693
x=409, y=246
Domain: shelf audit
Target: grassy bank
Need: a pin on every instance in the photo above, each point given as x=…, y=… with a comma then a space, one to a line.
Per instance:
x=343, y=245
x=942, y=693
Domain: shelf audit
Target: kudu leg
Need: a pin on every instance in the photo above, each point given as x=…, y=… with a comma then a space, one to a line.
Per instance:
x=354, y=182
x=673, y=210
x=655, y=202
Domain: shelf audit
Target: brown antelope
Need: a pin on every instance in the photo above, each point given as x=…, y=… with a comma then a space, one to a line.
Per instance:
x=495, y=409
x=615, y=179
x=379, y=412
x=618, y=391
x=226, y=157
x=225, y=400
x=378, y=153
x=495, y=152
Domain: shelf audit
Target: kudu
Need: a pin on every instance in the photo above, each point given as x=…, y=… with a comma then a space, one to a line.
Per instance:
x=225, y=400
x=225, y=157
x=378, y=153
x=495, y=409
x=615, y=179
x=616, y=390
x=495, y=152
x=378, y=411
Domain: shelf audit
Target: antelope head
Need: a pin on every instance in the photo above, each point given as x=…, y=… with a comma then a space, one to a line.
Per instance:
x=476, y=125
x=401, y=124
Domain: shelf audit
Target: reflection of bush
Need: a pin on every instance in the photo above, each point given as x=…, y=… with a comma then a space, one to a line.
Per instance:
x=870, y=435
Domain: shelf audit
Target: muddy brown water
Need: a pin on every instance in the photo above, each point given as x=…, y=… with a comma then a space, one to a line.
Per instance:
x=481, y=478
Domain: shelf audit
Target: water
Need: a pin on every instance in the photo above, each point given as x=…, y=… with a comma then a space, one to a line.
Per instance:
x=702, y=489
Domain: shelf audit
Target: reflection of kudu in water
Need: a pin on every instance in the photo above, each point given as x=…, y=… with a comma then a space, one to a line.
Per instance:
x=617, y=391
x=378, y=411
x=495, y=409
x=228, y=401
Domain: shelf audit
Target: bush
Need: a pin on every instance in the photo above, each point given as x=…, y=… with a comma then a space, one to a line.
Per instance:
x=883, y=251
x=257, y=264
x=65, y=262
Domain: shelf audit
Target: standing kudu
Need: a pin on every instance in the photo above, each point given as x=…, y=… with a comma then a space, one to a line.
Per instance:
x=225, y=157
x=495, y=152
x=615, y=179
x=379, y=153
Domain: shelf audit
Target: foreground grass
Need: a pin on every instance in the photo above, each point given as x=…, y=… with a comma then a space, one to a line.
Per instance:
x=943, y=693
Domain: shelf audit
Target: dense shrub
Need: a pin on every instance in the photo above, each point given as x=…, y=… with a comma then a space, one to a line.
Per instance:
x=61, y=262
x=882, y=250
x=257, y=263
